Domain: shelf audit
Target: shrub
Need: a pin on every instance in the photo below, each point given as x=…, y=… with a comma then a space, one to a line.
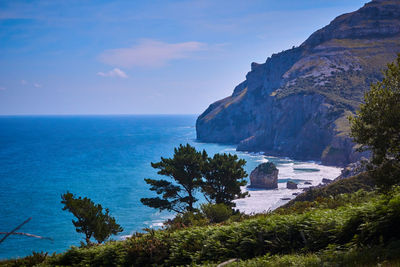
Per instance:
x=216, y=213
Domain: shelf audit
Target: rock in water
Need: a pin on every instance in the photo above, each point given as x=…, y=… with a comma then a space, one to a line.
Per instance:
x=291, y=185
x=264, y=176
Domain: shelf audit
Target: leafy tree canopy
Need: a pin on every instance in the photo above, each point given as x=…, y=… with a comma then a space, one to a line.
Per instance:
x=376, y=125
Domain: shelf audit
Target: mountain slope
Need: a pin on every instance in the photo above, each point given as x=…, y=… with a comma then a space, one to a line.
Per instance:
x=296, y=103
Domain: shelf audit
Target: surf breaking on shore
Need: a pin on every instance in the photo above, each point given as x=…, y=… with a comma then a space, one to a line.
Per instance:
x=263, y=200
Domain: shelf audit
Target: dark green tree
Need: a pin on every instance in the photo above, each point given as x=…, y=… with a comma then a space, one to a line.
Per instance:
x=376, y=125
x=90, y=218
x=185, y=173
x=224, y=175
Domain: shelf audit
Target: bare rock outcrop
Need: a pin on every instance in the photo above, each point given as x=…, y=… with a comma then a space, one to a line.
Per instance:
x=264, y=176
x=291, y=185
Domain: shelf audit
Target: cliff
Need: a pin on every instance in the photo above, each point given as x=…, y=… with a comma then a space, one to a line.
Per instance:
x=296, y=103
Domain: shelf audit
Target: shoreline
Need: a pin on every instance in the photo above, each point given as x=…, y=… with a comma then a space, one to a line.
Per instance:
x=264, y=200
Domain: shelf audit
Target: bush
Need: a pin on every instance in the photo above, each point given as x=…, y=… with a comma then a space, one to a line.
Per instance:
x=186, y=219
x=32, y=260
x=360, y=221
x=363, y=181
x=216, y=213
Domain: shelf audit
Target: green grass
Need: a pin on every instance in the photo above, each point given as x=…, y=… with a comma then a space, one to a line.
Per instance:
x=333, y=191
x=345, y=88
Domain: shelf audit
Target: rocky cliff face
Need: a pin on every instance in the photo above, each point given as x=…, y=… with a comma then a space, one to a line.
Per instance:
x=296, y=103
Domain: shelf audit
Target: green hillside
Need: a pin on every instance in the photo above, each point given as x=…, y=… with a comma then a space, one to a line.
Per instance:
x=332, y=227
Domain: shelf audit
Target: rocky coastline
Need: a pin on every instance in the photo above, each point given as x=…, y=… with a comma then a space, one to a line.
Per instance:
x=296, y=104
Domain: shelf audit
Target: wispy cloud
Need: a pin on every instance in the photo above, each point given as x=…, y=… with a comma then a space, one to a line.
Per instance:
x=2, y=88
x=150, y=53
x=116, y=72
x=36, y=85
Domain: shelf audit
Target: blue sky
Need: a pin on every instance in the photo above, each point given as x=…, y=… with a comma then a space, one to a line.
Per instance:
x=142, y=57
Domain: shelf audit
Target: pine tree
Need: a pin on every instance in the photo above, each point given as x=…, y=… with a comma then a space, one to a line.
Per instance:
x=91, y=220
x=185, y=173
x=224, y=175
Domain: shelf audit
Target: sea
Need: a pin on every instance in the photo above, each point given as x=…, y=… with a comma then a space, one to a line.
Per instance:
x=106, y=158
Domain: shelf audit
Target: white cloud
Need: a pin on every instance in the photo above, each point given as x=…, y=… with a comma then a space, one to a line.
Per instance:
x=150, y=53
x=113, y=73
x=37, y=85
x=23, y=82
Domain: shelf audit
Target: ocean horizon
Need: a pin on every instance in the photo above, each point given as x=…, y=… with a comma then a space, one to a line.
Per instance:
x=106, y=158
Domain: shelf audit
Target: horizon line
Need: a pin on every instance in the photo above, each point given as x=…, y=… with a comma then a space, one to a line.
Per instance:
x=99, y=114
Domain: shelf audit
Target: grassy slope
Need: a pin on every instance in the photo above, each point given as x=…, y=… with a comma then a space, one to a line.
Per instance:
x=325, y=226
x=345, y=87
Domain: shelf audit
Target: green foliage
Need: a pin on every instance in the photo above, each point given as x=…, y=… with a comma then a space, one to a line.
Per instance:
x=208, y=214
x=219, y=178
x=185, y=169
x=376, y=125
x=90, y=218
x=32, y=260
x=333, y=256
x=363, y=220
x=363, y=181
x=216, y=213
x=349, y=229
x=223, y=176
x=187, y=219
x=386, y=174
x=267, y=167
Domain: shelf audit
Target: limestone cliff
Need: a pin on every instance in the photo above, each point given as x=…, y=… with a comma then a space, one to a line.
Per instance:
x=296, y=103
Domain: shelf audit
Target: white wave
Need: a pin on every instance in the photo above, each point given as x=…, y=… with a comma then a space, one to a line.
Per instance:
x=157, y=224
x=267, y=200
x=262, y=160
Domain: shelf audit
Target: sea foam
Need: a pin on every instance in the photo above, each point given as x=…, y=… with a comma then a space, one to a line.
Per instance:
x=263, y=200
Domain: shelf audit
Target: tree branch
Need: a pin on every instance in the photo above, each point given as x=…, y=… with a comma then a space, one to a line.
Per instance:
x=15, y=229
x=26, y=234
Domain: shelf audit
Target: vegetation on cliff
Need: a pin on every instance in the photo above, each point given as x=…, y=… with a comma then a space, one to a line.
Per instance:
x=295, y=103
x=377, y=125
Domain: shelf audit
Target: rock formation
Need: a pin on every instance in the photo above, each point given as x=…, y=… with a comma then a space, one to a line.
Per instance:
x=326, y=181
x=291, y=185
x=353, y=169
x=264, y=176
x=296, y=103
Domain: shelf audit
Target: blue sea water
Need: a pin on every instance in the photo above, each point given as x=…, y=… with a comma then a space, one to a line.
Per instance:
x=104, y=158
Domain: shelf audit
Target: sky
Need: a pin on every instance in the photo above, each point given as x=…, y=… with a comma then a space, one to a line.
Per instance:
x=63, y=57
